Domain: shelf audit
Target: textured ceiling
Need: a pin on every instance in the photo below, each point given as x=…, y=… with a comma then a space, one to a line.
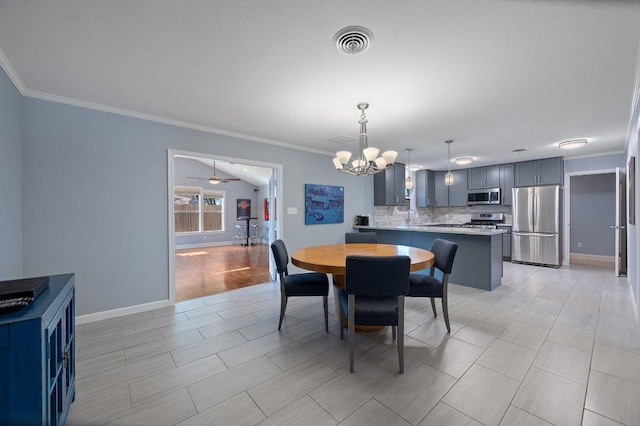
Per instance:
x=492, y=75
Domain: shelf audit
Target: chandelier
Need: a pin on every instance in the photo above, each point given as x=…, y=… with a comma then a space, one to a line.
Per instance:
x=368, y=163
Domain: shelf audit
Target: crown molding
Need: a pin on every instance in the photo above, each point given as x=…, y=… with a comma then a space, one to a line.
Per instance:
x=12, y=74
x=17, y=82
x=634, y=117
x=163, y=120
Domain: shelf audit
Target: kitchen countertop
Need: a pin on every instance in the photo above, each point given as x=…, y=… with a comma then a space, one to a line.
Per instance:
x=438, y=229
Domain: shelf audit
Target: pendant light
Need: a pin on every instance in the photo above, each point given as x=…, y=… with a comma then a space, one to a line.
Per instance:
x=448, y=178
x=408, y=182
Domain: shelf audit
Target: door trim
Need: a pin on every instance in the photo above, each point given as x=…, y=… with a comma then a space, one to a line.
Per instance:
x=566, y=237
x=277, y=169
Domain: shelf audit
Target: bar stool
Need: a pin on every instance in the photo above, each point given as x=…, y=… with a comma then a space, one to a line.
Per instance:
x=240, y=237
x=256, y=234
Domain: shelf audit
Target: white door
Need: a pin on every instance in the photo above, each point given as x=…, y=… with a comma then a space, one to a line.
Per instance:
x=620, y=225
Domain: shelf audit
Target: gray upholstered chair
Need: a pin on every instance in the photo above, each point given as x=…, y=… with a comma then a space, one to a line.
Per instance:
x=305, y=284
x=374, y=295
x=361, y=237
x=428, y=285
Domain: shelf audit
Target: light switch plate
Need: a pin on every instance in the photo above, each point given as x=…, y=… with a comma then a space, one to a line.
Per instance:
x=292, y=210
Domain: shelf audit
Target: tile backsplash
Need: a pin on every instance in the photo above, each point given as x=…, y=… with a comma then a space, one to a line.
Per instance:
x=389, y=215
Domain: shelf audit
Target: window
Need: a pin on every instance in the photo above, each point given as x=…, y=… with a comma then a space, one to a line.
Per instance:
x=198, y=210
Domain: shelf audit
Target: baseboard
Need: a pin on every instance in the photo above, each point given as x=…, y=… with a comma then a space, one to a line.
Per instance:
x=114, y=313
x=201, y=245
x=592, y=259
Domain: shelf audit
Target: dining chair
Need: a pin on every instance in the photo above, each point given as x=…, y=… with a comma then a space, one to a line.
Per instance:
x=361, y=237
x=303, y=284
x=374, y=292
x=421, y=285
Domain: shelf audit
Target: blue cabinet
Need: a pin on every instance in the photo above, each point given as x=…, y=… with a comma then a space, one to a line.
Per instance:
x=483, y=177
x=451, y=195
x=549, y=171
x=37, y=357
x=425, y=188
x=388, y=186
x=506, y=184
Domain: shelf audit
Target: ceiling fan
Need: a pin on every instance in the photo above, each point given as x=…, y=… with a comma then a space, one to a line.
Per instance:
x=214, y=180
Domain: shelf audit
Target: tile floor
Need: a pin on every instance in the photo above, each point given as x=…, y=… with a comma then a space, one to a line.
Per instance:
x=550, y=346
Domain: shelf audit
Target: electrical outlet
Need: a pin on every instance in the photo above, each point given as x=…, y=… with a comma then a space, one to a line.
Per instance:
x=579, y=245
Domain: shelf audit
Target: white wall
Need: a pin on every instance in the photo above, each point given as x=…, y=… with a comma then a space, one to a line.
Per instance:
x=95, y=198
x=11, y=262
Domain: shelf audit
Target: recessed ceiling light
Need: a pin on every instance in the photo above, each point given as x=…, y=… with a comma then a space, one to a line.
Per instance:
x=571, y=144
x=463, y=160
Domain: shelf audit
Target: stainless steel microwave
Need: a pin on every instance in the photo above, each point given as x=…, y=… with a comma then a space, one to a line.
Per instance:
x=483, y=196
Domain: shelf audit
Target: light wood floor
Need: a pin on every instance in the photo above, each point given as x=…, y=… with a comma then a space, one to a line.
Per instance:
x=548, y=347
x=207, y=271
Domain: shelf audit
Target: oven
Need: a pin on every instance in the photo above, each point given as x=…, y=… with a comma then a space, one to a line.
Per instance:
x=485, y=220
x=483, y=196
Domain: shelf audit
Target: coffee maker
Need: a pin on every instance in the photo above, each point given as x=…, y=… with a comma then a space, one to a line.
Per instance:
x=361, y=220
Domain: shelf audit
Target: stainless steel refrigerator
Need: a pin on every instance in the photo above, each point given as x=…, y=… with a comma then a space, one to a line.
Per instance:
x=537, y=215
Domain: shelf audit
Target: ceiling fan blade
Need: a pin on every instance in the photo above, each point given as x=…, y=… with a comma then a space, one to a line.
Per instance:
x=197, y=178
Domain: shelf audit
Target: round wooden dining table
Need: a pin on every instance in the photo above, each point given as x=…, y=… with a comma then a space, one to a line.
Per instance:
x=332, y=259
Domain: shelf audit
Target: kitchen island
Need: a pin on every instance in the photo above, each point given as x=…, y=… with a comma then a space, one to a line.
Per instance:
x=478, y=261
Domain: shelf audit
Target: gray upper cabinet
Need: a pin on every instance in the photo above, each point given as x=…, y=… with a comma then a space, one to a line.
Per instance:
x=441, y=190
x=425, y=188
x=454, y=195
x=549, y=171
x=506, y=183
x=483, y=177
x=458, y=191
x=388, y=186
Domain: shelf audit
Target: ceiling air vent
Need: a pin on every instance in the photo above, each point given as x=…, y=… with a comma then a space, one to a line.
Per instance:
x=353, y=40
x=342, y=139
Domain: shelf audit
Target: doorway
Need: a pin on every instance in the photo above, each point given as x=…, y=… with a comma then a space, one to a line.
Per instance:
x=205, y=255
x=594, y=233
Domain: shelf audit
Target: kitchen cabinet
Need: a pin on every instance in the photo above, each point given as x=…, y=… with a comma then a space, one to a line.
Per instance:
x=37, y=357
x=506, y=184
x=458, y=191
x=506, y=242
x=441, y=190
x=549, y=171
x=425, y=188
x=388, y=186
x=451, y=195
x=483, y=177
